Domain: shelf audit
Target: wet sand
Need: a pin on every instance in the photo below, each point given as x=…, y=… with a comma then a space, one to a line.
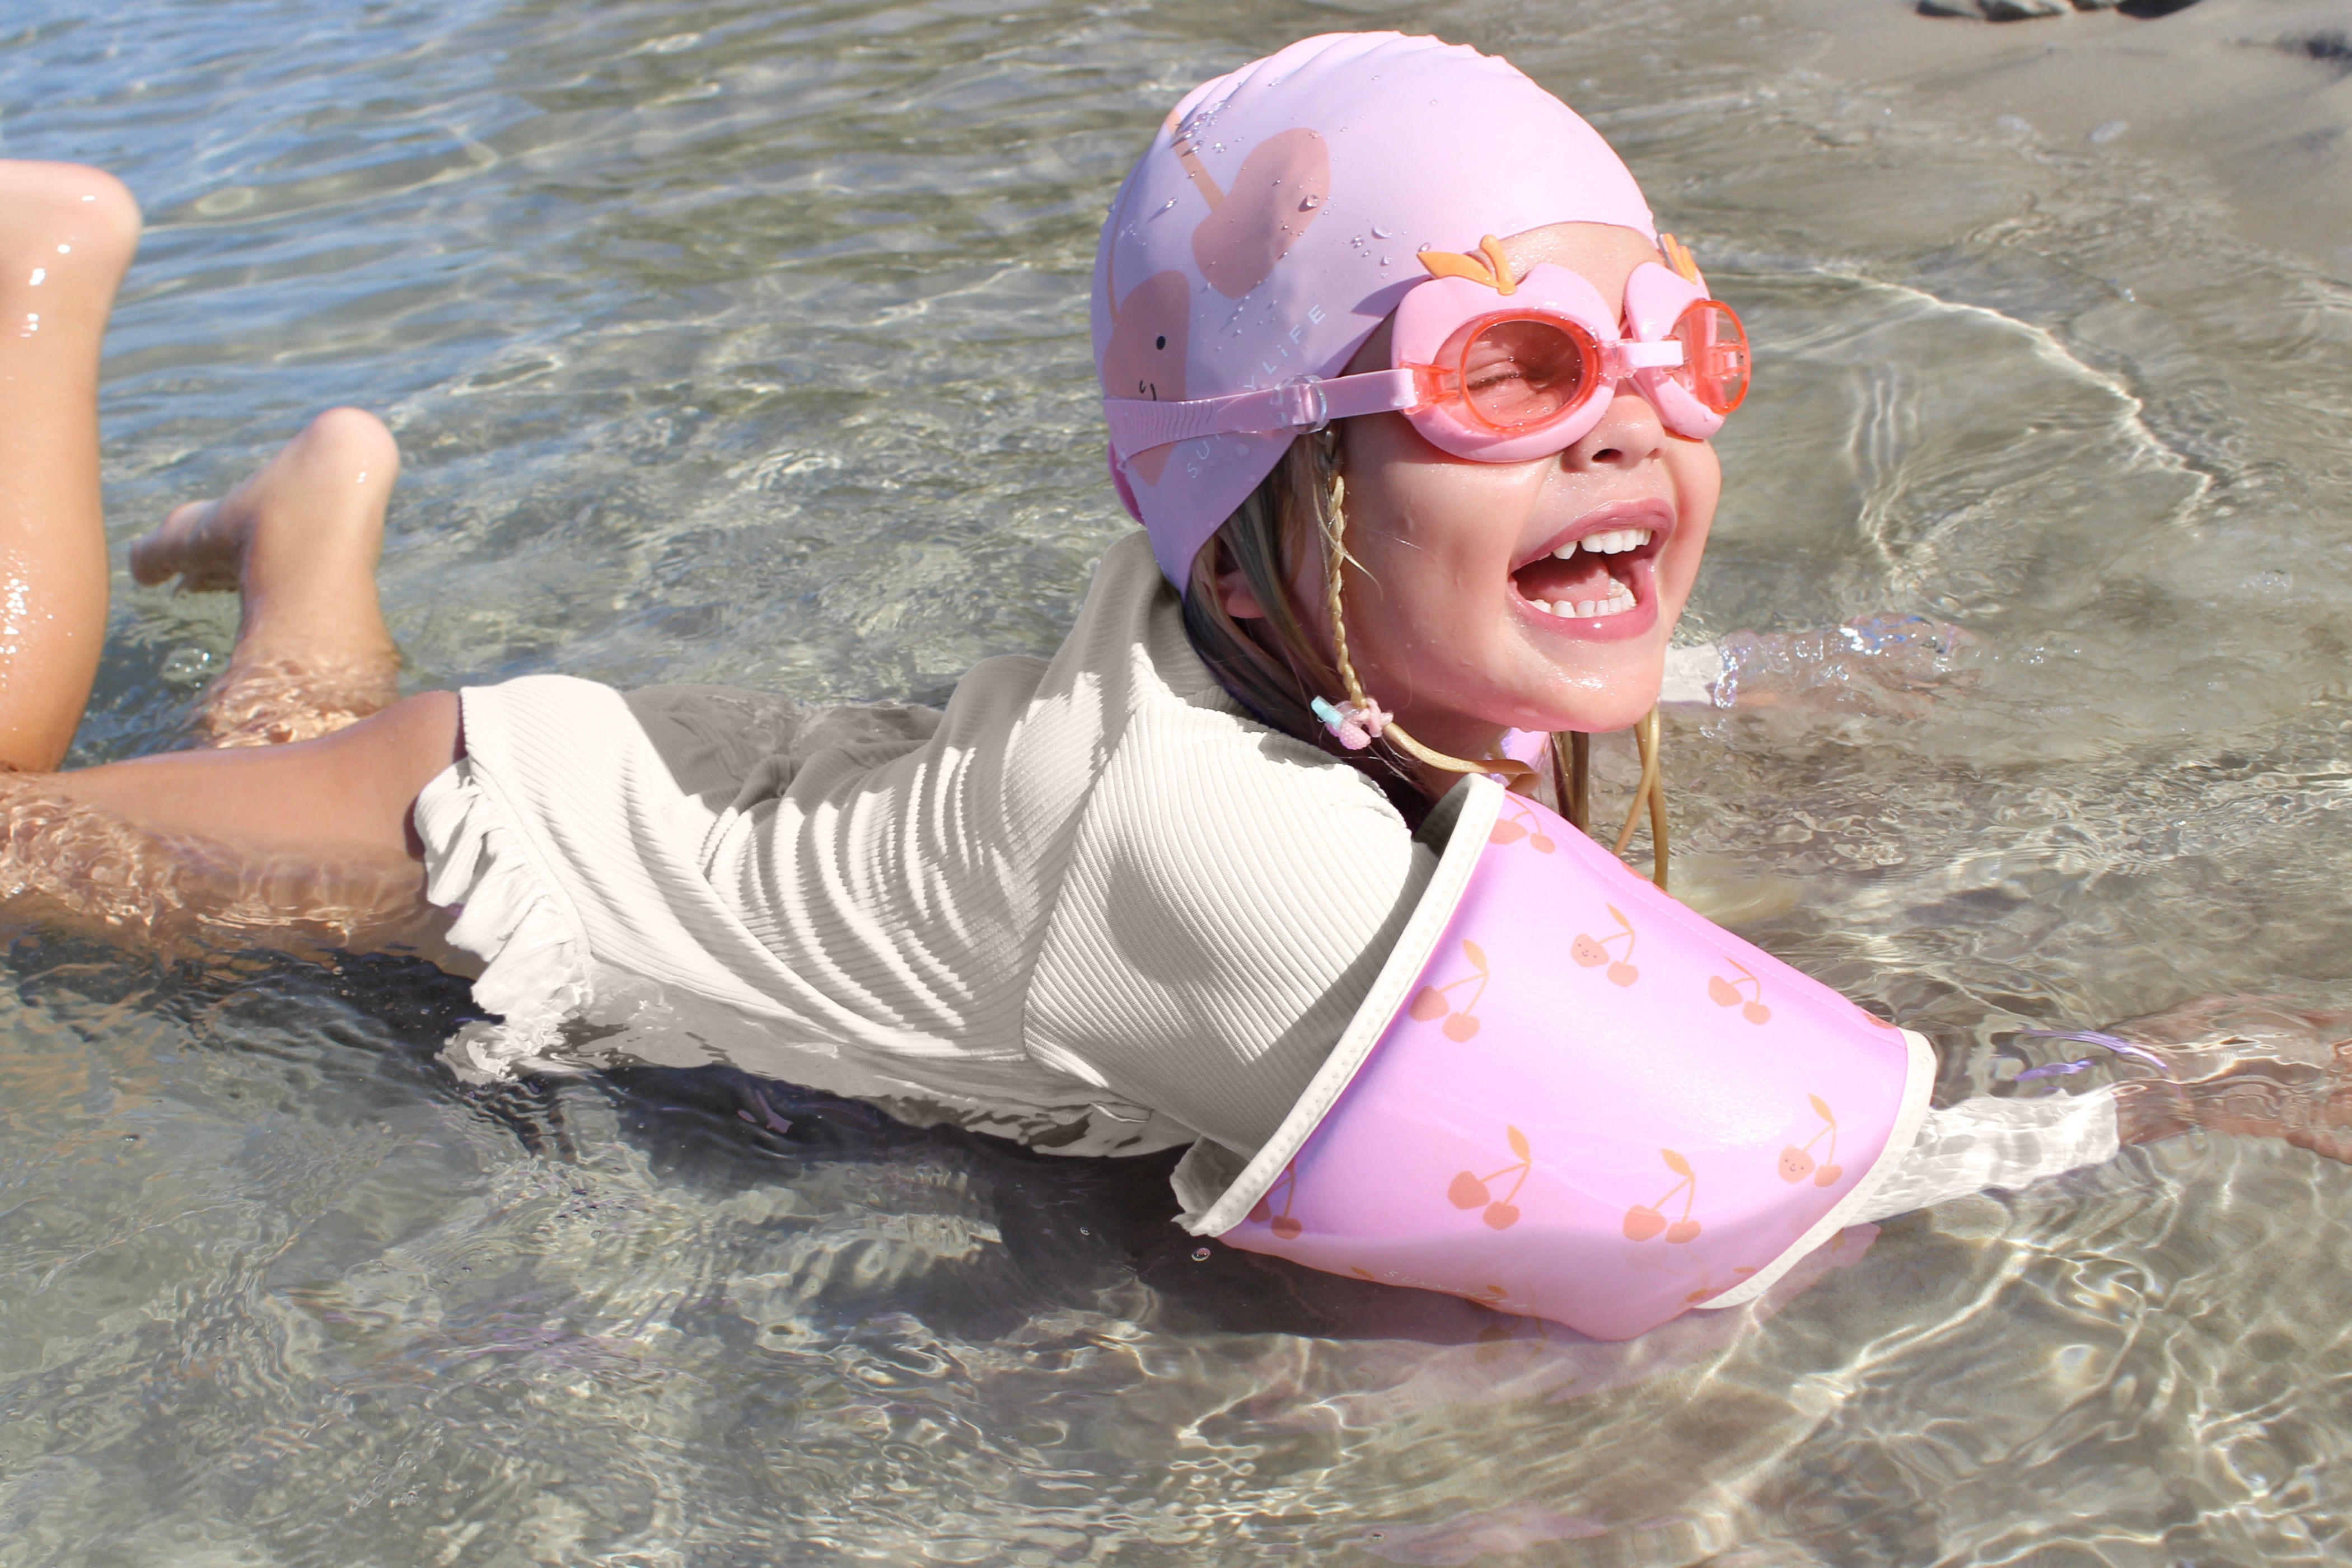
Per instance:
x=2255, y=97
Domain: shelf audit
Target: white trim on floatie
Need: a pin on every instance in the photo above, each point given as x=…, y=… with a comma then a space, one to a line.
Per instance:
x=1918, y=1082
x=1461, y=820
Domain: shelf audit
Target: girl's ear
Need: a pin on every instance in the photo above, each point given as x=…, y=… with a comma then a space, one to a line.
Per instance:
x=1235, y=594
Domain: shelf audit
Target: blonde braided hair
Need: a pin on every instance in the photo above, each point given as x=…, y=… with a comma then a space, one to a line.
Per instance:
x=1647, y=734
x=1336, y=561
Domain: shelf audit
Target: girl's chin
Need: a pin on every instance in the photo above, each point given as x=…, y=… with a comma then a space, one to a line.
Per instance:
x=1594, y=694
x=1615, y=697
x=1599, y=717
x=1597, y=722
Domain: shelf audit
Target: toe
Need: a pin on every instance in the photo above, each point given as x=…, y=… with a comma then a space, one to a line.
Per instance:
x=164, y=551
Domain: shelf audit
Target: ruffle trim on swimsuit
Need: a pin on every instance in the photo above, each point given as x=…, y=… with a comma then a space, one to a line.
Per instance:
x=542, y=974
x=537, y=967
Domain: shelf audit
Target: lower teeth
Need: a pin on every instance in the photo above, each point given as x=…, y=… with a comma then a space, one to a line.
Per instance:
x=1590, y=608
x=1587, y=609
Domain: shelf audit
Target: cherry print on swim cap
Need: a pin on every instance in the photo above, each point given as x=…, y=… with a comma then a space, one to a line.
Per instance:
x=1281, y=188
x=1145, y=356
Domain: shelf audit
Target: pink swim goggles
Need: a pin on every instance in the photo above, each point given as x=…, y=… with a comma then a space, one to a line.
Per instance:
x=1498, y=370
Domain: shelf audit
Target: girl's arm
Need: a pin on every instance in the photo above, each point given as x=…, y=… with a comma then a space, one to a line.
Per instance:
x=1890, y=665
x=1989, y=1143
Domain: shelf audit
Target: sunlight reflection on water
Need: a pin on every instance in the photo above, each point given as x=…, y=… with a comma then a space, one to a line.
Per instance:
x=747, y=343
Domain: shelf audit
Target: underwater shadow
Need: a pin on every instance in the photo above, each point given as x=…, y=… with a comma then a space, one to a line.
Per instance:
x=1070, y=1235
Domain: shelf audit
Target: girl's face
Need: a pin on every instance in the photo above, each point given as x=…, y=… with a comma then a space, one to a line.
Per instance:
x=1444, y=624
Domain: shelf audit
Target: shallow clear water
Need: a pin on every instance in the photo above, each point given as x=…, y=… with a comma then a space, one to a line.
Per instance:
x=748, y=343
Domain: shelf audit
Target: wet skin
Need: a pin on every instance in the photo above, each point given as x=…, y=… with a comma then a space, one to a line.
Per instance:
x=1440, y=624
x=268, y=837
x=309, y=844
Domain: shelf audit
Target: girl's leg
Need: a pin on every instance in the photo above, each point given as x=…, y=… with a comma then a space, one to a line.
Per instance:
x=309, y=842
x=309, y=845
x=342, y=799
x=297, y=827
x=300, y=770
x=66, y=234
x=299, y=541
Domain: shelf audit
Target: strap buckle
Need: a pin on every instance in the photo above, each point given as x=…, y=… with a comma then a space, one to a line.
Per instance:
x=1299, y=405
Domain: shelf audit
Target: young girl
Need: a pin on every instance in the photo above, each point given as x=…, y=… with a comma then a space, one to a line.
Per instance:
x=1413, y=401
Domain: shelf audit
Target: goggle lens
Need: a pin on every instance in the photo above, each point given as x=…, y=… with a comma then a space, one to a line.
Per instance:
x=1715, y=355
x=1524, y=372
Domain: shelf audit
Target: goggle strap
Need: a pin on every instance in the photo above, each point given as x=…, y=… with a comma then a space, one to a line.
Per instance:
x=1373, y=391
x=1297, y=406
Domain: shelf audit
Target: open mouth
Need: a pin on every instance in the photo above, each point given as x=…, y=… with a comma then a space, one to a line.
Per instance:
x=1605, y=568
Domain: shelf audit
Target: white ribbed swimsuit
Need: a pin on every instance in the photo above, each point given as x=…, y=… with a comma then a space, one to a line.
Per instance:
x=1091, y=905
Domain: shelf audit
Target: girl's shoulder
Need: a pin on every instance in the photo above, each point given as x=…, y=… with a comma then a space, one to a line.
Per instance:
x=1196, y=815
x=1169, y=728
x=1228, y=895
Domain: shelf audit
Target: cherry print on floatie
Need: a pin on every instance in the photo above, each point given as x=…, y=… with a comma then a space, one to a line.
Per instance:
x=1728, y=993
x=1644, y=1220
x=1436, y=1001
x=1796, y=1164
x=1469, y=1190
x=1262, y=1212
x=1593, y=952
x=1520, y=823
x=1279, y=191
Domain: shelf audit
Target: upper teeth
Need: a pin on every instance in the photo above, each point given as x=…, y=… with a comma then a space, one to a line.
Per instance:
x=1615, y=542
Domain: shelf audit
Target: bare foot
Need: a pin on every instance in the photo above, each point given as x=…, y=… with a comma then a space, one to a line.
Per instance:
x=317, y=505
x=188, y=544
x=299, y=541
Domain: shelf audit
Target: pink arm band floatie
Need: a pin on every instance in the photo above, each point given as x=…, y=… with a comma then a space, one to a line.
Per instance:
x=1569, y=1096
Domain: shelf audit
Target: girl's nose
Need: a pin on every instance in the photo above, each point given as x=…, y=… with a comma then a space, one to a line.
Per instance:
x=1629, y=434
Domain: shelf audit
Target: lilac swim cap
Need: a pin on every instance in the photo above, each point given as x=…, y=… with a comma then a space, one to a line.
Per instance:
x=1277, y=217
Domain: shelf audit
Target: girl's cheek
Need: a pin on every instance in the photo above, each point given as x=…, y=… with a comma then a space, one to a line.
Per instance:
x=1679, y=576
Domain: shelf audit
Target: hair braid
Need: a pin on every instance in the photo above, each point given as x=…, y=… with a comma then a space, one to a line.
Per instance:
x=1274, y=666
x=1334, y=524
